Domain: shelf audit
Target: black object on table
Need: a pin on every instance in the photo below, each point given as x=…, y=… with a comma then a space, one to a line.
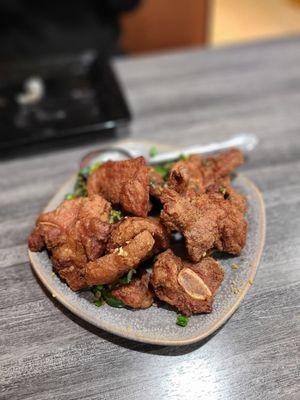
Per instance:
x=73, y=95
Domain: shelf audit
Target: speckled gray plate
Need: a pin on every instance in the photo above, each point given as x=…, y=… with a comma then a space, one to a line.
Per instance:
x=158, y=325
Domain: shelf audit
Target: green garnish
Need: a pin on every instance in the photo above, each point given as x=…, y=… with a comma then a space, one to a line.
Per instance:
x=183, y=157
x=115, y=216
x=103, y=293
x=98, y=303
x=80, y=189
x=162, y=171
x=222, y=190
x=113, y=302
x=97, y=290
x=95, y=166
x=152, y=182
x=123, y=280
x=84, y=172
x=182, y=320
x=153, y=151
x=127, y=278
x=97, y=293
x=69, y=196
x=110, y=299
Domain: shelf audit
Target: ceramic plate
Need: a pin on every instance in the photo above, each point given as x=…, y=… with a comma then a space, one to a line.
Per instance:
x=158, y=325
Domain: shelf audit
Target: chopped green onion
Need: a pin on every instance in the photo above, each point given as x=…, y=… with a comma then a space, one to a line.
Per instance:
x=162, y=171
x=153, y=151
x=97, y=290
x=80, y=192
x=84, y=172
x=222, y=190
x=80, y=189
x=152, y=182
x=127, y=278
x=69, y=196
x=182, y=320
x=110, y=299
x=105, y=294
x=183, y=157
x=130, y=273
x=95, y=166
x=113, y=302
x=115, y=216
x=123, y=280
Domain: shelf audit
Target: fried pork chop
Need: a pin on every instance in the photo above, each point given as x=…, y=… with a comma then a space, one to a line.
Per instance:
x=207, y=221
x=125, y=183
x=109, y=268
x=76, y=232
x=195, y=174
x=146, y=236
x=188, y=287
x=137, y=293
x=197, y=200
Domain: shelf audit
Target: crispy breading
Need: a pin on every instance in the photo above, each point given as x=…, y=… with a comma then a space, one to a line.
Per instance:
x=188, y=287
x=75, y=233
x=207, y=221
x=125, y=183
x=195, y=174
x=109, y=268
x=224, y=187
x=137, y=293
x=129, y=227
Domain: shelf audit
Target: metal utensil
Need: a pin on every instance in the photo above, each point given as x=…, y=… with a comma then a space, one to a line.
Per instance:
x=244, y=141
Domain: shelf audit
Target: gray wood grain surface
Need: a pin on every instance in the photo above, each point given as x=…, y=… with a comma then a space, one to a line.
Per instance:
x=188, y=97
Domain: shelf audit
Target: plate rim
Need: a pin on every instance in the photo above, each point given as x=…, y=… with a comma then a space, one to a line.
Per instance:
x=131, y=335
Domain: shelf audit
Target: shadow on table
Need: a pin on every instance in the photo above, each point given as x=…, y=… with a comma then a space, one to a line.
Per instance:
x=126, y=343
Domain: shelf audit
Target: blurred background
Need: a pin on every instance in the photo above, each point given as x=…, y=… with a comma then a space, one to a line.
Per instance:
x=168, y=24
x=55, y=76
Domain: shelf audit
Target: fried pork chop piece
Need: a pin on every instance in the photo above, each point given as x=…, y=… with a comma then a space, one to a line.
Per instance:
x=207, y=221
x=196, y=173
x=137, y=293
x=188, y=287
x=129, y=227
x=76, y=232
x=109, y=268
x=125, y=183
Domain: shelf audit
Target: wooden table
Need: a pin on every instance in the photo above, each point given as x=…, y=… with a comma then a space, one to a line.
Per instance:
x=188, y=97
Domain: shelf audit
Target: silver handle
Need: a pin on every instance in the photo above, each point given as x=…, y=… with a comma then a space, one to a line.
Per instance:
x=244, y=141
